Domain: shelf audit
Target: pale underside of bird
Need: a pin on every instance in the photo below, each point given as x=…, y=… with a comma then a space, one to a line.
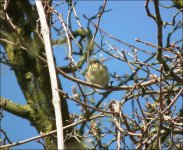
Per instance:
x=97, y=73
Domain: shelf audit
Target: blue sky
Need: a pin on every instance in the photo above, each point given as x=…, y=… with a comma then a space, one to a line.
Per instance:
x=127, y=21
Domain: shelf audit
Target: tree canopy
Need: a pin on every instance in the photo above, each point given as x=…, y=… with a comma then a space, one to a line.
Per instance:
x=141, y=106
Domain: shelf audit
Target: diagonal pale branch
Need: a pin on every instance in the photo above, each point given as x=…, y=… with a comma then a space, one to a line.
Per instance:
x=52, y=132
x=53, y=76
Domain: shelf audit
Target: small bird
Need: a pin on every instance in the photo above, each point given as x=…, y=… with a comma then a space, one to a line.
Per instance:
x=97, y=73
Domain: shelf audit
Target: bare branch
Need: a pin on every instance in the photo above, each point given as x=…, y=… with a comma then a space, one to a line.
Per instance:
x=53, y=75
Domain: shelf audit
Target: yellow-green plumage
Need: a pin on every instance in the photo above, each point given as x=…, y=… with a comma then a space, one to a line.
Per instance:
x=97, y=73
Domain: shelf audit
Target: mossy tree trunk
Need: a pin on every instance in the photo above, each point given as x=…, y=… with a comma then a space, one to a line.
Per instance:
x=31, y=73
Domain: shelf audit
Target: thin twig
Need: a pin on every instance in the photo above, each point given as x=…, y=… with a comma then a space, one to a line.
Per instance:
x=83, y=104
x=50, y=133
x=97, y=27
x=173, y=101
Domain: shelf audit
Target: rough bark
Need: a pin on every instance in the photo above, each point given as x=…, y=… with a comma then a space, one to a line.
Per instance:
x=31, y=73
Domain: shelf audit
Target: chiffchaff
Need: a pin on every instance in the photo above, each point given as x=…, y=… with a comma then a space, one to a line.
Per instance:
x=97, y=73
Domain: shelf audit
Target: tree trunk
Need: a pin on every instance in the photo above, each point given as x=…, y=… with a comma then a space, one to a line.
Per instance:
x=32, y=74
